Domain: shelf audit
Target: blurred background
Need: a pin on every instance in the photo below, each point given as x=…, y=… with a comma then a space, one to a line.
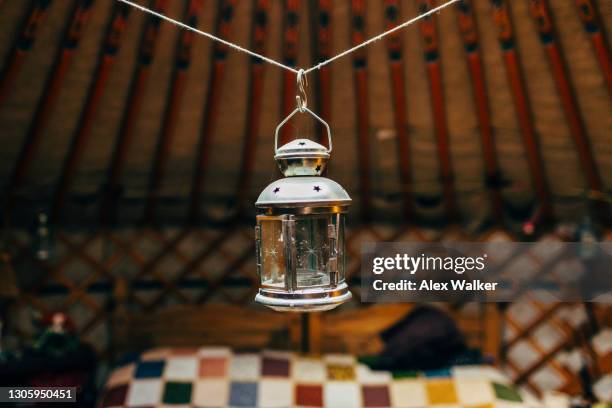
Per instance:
x=133, y=151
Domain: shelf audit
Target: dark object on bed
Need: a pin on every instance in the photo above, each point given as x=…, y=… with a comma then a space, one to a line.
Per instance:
x=426, y=339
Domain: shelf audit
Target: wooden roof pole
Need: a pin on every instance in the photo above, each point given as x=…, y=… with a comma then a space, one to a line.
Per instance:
x=110, y=47
x=138, y=85
x=362, y=113
x=235, y=265
x=469, y=34
x=259, y=37
x=53, y=86
x=432, y=57
x=225, y=15
x=398, y=89
x=194, y=264
x=548, y=37
x=173, y=106
x=24, y=43
x=290, y=55
x=591, y=20
x=323, y=36
x=503, y=21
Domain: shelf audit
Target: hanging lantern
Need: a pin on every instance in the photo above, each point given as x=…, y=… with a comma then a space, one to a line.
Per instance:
x=300, y=230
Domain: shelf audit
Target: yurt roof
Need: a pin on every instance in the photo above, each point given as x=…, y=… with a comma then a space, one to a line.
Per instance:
x=201, y=134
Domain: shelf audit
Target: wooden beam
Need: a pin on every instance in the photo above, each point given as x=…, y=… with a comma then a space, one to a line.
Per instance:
x=375, y=235
x=591, y=20
x=492, y=330
x=548, y=37
x=229, y=270
x=505, y=29
x=194, y=264
x=23, y=45
x=138, y=85
x=398, y=89
x=51, y=272
x=168, y=248
x=108, y=54
x=290, y=55
x=529, y=328
x=360, y=76
x=323, y=40
x=542, y=353
x=225, y=15
x=63, y=60
x=469, y=34
x=259, y=37
x=173, y=107
x=582, y=331
x=429, y=33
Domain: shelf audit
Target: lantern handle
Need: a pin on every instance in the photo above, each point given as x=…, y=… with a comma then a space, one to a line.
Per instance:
x=302, y=106
x=300, y=110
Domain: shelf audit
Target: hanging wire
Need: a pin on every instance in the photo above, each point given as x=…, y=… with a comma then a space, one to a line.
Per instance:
x=382, y=35
x=208, y=35
x=279, y=64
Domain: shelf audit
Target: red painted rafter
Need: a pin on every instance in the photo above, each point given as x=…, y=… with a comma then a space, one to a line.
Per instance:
x=23, y=45
x=177, y=89
x=434, y=71
x=290, y=56
x=259, y=39
x=591, y=20
x=469, y=34
x=503, y=21
x=548, y=36
x=135, y=98
x=398, y=88
x=358, y=35
x=323, y=51
x=106, y=62
x=211, y=109
x=44, y=109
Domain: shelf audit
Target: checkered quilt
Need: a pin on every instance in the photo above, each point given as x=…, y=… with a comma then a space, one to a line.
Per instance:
x=217, y=377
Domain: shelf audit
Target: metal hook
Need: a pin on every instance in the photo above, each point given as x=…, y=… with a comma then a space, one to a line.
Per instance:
x=302, y=107
x=302, y=83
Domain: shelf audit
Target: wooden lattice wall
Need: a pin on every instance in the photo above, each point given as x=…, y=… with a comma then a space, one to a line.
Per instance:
x=197, y=266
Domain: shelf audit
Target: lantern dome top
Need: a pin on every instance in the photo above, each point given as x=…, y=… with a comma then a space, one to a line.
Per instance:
x=293, y=192
x=302, y=157
x=302, y=148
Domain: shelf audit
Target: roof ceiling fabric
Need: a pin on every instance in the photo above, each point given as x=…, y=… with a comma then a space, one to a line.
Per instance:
x=564, y=172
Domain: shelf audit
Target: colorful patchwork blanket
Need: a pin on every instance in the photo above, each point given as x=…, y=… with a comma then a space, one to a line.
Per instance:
x=217, y=377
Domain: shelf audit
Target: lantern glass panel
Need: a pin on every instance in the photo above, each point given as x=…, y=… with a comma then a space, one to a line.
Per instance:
x=272, y=252
x=319, y=249
x=313, y=251
x=339, y=223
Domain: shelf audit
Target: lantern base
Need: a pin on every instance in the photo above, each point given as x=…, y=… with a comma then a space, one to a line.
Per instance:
x=305, y=300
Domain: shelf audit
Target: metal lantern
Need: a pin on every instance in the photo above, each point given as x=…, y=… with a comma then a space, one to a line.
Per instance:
x=300, y=230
